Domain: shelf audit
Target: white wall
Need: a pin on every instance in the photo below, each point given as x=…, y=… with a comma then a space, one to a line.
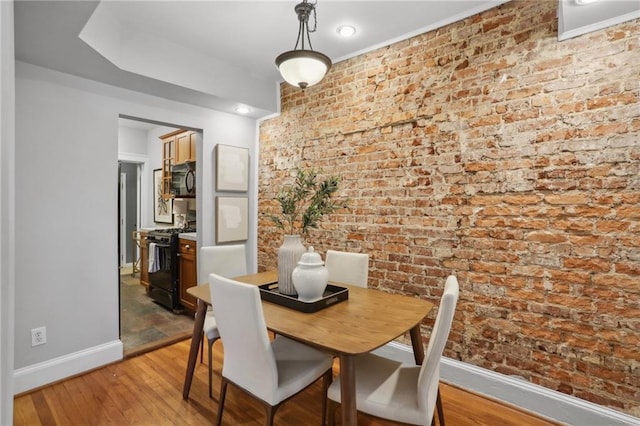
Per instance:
x=132, y=141
x=66, y=211
x=7, y=234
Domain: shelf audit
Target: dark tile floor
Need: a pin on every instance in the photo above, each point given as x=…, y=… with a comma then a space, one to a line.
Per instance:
x=142, y=321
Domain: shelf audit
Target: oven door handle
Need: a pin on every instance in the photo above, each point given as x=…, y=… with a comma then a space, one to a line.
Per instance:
x=159, y=245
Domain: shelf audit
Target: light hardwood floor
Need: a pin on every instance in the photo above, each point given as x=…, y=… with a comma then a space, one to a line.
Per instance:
x=147, y=390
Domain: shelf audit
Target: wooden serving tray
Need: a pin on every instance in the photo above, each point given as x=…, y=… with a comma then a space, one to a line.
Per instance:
x=332, y=295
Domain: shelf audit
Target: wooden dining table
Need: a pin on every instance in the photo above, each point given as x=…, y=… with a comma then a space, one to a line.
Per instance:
x=367, y=320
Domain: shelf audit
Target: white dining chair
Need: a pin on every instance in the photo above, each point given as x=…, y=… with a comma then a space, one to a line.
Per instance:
x=348, y=268
x=228, y=261
x=403, y=392
x=271, y=371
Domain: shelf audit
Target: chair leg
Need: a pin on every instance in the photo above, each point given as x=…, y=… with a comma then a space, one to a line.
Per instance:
x=271, y=413
x=327, y=378
x=331, y=412
x=223, y=394
x=211, y=342
x=440, y=410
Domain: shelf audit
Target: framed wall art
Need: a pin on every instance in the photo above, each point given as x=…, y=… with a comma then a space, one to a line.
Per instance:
x=232, y=222
x=232, y=168
x=162, y=207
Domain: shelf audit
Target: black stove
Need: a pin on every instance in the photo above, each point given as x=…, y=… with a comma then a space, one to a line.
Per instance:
x=164, y=277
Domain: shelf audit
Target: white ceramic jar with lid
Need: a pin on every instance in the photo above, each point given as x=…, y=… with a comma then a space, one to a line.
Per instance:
x=310, y=277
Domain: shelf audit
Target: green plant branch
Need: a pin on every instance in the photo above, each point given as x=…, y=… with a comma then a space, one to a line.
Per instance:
x=306, y=201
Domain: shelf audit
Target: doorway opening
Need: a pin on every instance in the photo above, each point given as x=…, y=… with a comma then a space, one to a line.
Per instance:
x=129, y=174
x=144, y=324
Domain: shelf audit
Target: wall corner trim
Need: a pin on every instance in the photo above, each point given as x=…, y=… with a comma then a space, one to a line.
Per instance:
x=43, y=373
x=537, y=399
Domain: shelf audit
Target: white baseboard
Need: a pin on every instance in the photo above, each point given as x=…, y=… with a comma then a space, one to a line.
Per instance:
x=519, y=392
x=33, y=376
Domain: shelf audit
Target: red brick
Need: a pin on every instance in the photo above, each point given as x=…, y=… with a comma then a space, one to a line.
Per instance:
x=628, y=268
x=570, y=199
x=629, y=211
x=611, y=225
x=546, y=237
x=587, y=264
x=619, y=281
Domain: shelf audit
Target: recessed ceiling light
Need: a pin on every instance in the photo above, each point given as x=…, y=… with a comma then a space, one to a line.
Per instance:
x=583, y=2
x=346, y=30
x=241, y=109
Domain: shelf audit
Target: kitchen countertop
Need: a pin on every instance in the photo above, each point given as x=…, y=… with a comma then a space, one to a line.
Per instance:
x=184, y=235
x=154, y=228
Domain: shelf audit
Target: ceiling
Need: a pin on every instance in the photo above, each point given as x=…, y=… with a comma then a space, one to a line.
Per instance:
x=220, y=54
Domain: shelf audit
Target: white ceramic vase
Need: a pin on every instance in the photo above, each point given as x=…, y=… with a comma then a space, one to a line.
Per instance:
x=310, y=277
x=289, y=254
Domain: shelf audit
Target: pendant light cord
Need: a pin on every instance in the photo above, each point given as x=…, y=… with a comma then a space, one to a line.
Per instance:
x=303, y=10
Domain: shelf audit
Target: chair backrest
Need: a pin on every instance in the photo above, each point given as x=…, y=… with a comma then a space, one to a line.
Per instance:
x=249, y=361
x=348, y=268
x=430, y=371
x=227, y=261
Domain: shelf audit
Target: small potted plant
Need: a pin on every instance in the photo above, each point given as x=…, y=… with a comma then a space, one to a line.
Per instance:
x=303, y=205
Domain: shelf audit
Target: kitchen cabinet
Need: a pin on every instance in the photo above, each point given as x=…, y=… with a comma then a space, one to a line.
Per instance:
x=185, y=147
x=188, y=272
x=178, y=147
x=144, y=260
x=168, y=152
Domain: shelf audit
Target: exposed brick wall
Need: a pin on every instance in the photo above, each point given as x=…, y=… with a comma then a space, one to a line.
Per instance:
x=489, y=150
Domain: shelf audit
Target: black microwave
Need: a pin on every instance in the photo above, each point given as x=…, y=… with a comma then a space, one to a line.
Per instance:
x=183, y=180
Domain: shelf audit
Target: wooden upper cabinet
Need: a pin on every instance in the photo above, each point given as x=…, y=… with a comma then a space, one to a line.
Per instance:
x=186, y=147
x=168, y=159
x=178, y=147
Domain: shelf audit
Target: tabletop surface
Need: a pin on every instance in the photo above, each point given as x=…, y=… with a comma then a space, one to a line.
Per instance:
x=367, y=320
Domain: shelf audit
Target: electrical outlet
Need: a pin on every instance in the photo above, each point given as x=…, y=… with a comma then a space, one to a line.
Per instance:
x=38, y=336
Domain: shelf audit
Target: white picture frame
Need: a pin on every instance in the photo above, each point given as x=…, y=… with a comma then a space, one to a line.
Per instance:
x=232, y=168
x=232, y=219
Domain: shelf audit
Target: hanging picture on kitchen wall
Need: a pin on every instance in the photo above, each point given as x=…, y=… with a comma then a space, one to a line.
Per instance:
x=232, y=168
x=232, y=219
x=162, y=208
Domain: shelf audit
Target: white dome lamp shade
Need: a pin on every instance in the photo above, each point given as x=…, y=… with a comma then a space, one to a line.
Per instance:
x=303, y=67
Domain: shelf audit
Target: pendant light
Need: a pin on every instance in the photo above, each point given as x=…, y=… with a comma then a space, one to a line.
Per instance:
x=302, y=67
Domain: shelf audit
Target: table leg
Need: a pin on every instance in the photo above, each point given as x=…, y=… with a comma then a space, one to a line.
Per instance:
x=196, y=337
x=348, y=390
x=416, y=342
